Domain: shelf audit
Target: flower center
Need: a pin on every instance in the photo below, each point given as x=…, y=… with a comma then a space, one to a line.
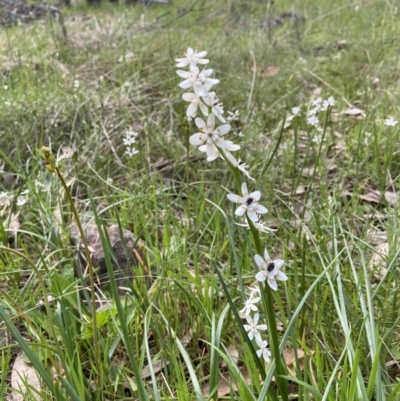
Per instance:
x=249, y=201
x=270, y=267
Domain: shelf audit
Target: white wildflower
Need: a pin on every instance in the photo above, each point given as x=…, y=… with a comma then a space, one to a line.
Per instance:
x=21, y=200
x=296, y=111
x=250, y=305
x=248, y=203
x=264, y=351
x=131, y=151
x=192, y=58
x=239, y=164
x=199, y=81
x=211, y=137
x=254, y=328
x=233, y=115
x=313, y=120
x=130, y=138
x=390, y=122
x=270, y=270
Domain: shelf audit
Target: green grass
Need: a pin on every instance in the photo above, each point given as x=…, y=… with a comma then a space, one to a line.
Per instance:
x=338, y=319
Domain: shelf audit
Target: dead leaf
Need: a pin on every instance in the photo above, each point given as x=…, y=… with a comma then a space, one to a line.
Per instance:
x=354, y=112
x=378, y=261
x=226, y=384
x=158, y=366
x=233, y=353
x=376, y=197
x=271, y=71
x=24, y=374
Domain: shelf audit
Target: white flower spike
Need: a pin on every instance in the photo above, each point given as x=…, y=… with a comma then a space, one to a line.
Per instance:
x=254, y=328
x=192, y=58
x=248, y=203
x=270, y=270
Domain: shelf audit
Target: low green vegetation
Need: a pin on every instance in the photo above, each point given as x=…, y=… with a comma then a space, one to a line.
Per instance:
x=78, y=84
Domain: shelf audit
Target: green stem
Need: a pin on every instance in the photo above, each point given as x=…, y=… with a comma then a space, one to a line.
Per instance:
x=91, y=273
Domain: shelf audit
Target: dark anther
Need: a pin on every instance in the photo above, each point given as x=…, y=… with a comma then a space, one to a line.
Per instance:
x=270, y=266
x=249, y=201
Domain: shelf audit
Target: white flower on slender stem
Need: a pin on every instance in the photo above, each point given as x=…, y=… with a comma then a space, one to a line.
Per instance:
x=313, y=120
x=317, y=103
x=211, y=100
x=192, y=57
x=264, y=351
x=131, y=151
x=210, y=137
x=270, y=270
x=233, y=115
x=259, y=225
x=254, y=328
x=199, y=81
x=248, y=203
x=249, y=306
x=130, y=138
x=195, y=103
x=296, y=111
x=390, y=122
x=240, y=164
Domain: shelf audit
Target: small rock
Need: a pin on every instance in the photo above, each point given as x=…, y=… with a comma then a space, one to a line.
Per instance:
x=130, y=253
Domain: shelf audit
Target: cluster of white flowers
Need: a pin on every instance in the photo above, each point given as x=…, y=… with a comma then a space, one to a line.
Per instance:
x=211, y=138
x=129, y=140
x=319, y=105
x=6, y=199
x=252, y=326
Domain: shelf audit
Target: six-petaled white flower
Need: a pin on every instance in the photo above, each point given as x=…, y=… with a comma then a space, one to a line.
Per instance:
x=264, y=351
x=192, y=58
x=211, y=136
x=240, y=164
x=270, y=270
x=130, y=138
x=250, y=305
x=296, y=111
x=254, y=328
x=313, y=120
x=199, y=81
x=248, y=203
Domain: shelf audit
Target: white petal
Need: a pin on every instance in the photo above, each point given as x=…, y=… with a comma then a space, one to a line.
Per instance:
x=256, y=195
x=232, y=147
x=211, y=122
x=272, y=284
x=197, y=139
x=183, y=74
x=233, y=198
x=281, y=276
x=261, y=276
x=261, y=209
x=244, y=189
x=259, y=261
x=210, y=149
x=240, y=211
x=222, y=129
x=199, y=88
x=279, y=263
x=201, y=124
x=252, y=215
x=192, y=109
x=203, y=108
x=189, y=97
x=262, y=327
x=266, y=255
x=256, y=318
x=202, y=54
x=185, y=84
